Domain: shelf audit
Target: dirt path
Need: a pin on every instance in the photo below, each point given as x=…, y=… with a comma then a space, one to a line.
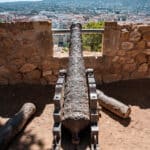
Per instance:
x=115, y=133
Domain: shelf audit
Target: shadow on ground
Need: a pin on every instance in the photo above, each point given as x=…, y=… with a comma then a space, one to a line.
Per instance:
x=12, y=98
x=84, y=140
x=131, y=92
x=28, y=143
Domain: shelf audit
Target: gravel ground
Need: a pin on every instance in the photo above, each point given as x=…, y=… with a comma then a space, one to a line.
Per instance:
x=115, y=133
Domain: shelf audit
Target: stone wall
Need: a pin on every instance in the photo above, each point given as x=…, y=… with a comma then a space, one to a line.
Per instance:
x=23, y=48
x=127, y=48
x=26, y=53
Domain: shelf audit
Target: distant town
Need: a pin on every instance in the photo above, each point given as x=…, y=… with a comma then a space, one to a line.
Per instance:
x=64, y=20
x=64, y=12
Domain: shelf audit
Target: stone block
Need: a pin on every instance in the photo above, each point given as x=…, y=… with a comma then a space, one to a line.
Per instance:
x=43, y=81
x=47, y=73
x=146, y=51
x=32, y=77
x=18, y=62
x=50, y=64
x=115, y=59
x=15, y=78
x=129, y=60
x=148, y=44
x=35, y=59
x=127, y=45
x=144, y=28
x=129, y=67
x=121, y=53
x=125, y=75
x=2, y=61
x=141, y=58
x=141, y=45
x=133, y=53
x=124, y=35
x=46, y=65
x=116, y=68
x=135, y=36
x=146, y=36
x=27, y=68
x=122, y=60
x=5, y=72
x=143, y=68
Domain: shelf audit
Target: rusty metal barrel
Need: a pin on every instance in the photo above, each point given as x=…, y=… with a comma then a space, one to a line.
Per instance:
x=76, y=103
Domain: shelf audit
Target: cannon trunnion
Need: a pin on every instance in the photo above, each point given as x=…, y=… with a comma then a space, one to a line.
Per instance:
x=75, y=96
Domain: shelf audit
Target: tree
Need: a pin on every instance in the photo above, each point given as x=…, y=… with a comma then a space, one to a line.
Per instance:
x=92, y=42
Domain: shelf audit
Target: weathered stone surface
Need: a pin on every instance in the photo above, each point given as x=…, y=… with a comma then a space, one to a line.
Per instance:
x=27, y=68
x=146, y=51
x=115, y=59
x=32, y=77
x=126, y=76
x=116, y=68
x=143, y=68
x=124, y=35
x=141, y=58
x=4, y=72
x=22, y=43
x=29, y=51
x=35, y=59
x=47, y=73
x=3, y=81
x=111, y=29
x=18, y=62
x=144, y=28
x=43, y=81
x=135, y=36
x=122, y=60
x=110, y=53
x=121, y=53
x=23, y=47
x=51, y=63
x=141, y=45
x=129, y=67
x=15, y=78
x=129, y=60
x=148, y=44
x=132, y=53
x=127, y=45
x=146, y=36
x=46, y=65
x=2, y=61
x=138, y=75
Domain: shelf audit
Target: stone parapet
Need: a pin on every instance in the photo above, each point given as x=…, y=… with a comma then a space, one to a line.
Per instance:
x=26, y=53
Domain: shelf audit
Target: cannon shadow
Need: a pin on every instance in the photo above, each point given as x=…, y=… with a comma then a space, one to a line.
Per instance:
x=84, y=144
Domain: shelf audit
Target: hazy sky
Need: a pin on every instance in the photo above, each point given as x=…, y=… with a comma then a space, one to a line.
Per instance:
x=16, y=0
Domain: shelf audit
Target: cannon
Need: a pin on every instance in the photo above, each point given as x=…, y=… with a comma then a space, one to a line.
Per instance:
x=75, y=98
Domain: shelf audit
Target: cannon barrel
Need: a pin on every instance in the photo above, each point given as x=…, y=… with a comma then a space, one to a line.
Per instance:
x=76, y=102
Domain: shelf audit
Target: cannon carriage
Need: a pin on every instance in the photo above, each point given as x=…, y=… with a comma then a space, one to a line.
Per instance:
x=75, y=98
